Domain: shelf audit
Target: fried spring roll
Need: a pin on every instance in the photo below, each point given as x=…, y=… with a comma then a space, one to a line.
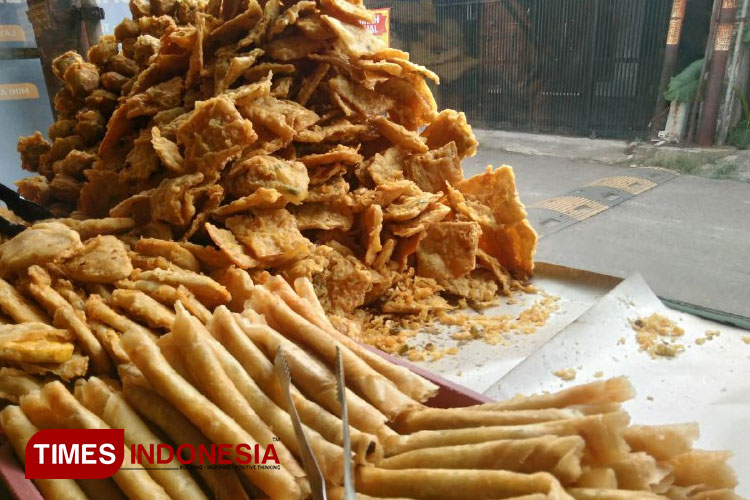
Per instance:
x=317, y=381
x=101, y=488
x=560, y=456
x=168, y=295
x=408, y=382
x=602, y=433
x=135, y=482
x=15, y=383
x=721, y=494
x=143, y=307
x=240, y=285
x=110, y=340
x=206, y=371
x=65, y=317
x=336, y=493
x=597, y=477
x=112, y=408
x=607, y=494
x=443, y=484
x=38, y=411
x=662, y=441
x=709, y=468
x=228, y=331
x=223, y=483
x=19, y=430
x=305, y=290
x=614, y=390
x=374, y=387
x=214, y=423
x=96, y=309
x=18, y=307
x=418, y=419
x=639, y=471
x=330, y=457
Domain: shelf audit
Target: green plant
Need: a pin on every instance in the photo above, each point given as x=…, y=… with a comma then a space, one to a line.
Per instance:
x=686, y=164
x=684, y=86
x=725, y=170
x=740, y=135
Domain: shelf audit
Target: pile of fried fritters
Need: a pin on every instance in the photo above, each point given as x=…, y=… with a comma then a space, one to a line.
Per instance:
x=290, y=139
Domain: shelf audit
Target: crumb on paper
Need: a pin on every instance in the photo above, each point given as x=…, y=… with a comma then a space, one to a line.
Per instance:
x=462, y=322
x=650, y=398
x=709, y=335
x=565, y=374
x=656, y=335
x=621, y=341
x=599, y=374
x=415, y=355
x=746, y=339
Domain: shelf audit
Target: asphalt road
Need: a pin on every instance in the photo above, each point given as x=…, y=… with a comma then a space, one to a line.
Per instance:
x=689, y=238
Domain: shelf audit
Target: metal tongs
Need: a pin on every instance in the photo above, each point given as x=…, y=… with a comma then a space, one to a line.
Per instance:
x=349, y=492
x=309, y=463
x=27, y=210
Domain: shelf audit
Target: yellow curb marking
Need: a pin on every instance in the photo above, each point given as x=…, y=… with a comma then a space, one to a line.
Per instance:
x=574, y=206
x=633, y=185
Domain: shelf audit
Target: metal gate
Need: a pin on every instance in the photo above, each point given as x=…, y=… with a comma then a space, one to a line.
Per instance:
x=582, y=67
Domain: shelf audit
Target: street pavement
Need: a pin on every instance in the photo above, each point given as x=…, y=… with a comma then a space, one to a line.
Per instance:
x=689, y=237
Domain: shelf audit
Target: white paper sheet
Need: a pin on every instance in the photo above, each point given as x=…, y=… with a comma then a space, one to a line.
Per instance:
x=708, y=384
x=478, y=365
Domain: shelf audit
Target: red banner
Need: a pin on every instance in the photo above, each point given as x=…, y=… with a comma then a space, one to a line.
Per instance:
x=74, y=453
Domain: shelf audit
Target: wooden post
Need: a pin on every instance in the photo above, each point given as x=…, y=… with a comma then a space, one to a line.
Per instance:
x=730, y=97
x=702, y=79
x=670, y=60
x=714, y=88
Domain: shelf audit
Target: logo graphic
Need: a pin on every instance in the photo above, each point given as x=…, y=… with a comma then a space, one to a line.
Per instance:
x=99, y=453
x=74, y=453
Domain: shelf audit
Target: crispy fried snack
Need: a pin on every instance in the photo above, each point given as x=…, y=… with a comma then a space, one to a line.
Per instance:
x=19, y=430
x=101, y=399
x=216, y=424
x=273, y=129
x=64, y=411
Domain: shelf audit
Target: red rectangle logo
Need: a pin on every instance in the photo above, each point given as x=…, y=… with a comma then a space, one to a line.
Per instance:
x=74, y=453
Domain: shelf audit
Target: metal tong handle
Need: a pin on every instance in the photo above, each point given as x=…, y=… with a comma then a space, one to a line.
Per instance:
x=349, y=491
x=309, y=463
x=9, y=228
x=24, y=208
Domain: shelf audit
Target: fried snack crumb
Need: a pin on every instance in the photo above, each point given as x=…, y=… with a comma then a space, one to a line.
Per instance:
x=709, y=335
x=599, y=374
x=566, y=374
x=655, y=335
x=393, y=332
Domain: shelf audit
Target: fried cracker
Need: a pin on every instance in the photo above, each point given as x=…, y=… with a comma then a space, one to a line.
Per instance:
x=103, y=259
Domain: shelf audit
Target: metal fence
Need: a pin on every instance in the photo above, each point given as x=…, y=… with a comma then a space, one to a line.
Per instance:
x=583, y=67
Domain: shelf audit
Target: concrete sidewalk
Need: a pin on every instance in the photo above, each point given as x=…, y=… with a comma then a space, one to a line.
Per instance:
x=721, y=162
x=689, y=238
